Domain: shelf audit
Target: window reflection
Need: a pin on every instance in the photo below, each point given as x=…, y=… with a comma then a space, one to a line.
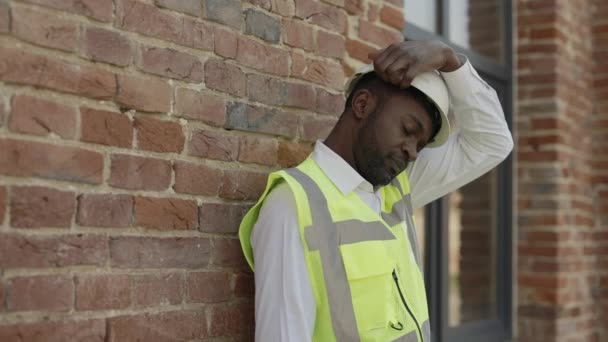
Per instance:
x=477, y=25
x=422, y=14
x=472, y=251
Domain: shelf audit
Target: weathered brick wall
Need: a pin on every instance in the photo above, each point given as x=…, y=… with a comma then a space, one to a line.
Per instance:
x=133, y=136
x=600, y=164
x=562, y=238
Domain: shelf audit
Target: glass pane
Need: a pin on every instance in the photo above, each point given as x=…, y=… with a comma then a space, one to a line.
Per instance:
x=422, y=13
x=472, y=248
x=478, y=25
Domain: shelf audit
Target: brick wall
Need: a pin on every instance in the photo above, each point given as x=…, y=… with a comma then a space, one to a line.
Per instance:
x=562, y=228
x=133, y=136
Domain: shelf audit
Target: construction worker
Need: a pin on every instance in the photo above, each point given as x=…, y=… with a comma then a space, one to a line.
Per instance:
x=332, y=241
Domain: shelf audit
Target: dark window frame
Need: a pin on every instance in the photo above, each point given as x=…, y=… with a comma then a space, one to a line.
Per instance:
x=436, y=226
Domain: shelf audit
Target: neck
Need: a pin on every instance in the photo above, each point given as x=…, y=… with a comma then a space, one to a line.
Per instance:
x=341, y=140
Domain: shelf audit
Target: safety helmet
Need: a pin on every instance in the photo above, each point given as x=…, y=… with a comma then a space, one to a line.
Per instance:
x=430, y=84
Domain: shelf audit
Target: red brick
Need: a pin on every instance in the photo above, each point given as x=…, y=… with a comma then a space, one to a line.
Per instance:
x=317, y=128
x=159, y=135
x=327, y=16
x=81, y=330
x=298, y=95
x=105, y=210
x=225, y=77
x=197, y=105
x=378, y=35
x=157, y=290
x=35, y=207
x=42, y=251
x=171, y=63
x=149, y=252
x=107, y=46
x=330, y=45
x=144, y=94
x=245, y=117
x=97, y=9
x=258, y=150
x=37, y=116
x=192, y=7
x=323, y=72
x=268, y=90
x=298, y=63
x=298, y=34
x=165, y=213
x=221, y=217
x=103, y=291
x=2, y=110
x=3, y=202
x=228, y=253
x=208, y=287
x=231, y=320
x=106, y=128
x=328, y=103
x=182, y=325
x=291, y=154
x=5, y=18
x=21, y=66
x=139, y=173
x=219, y=145
x=242, y=185
x=392, y=17
x=262, y=57
x=244, y=286
x=196, y=179
x=226, y=43
x=42, y=29
x=227, y=12
x=285, y=8
x=151, y=21
x=359, y=50
x=32, y=159
x=32, y=293
x=354, y=7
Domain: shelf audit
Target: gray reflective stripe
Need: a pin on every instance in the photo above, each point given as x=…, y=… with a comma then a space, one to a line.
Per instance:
x=350, y=231
x=426, y=330
x=411, y=229
x=412, y=336
x=324, y=237
x=402, y=211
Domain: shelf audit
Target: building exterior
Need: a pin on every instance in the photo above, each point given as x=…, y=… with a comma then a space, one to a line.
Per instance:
x=134, y=134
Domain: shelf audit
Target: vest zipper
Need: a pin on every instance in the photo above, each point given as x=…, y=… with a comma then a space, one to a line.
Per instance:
x=396, y=279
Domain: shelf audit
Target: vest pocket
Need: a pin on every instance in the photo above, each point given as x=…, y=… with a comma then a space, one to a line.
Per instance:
x=369, y=272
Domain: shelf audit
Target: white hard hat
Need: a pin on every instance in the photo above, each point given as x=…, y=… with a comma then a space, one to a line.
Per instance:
x=429, y=83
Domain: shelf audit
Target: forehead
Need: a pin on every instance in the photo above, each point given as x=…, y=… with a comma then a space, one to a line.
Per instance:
x=403, y=104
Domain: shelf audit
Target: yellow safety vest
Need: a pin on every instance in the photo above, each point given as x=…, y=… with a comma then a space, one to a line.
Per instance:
x=364, y=268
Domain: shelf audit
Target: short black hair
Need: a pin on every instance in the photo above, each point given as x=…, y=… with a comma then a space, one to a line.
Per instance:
x=382, y=89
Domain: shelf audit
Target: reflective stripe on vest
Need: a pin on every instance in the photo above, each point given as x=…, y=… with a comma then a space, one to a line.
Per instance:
x=326, y=236
x=413, y=335
x=402, y=210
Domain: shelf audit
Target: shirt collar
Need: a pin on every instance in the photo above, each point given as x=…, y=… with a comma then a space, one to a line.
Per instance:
x=338, y=170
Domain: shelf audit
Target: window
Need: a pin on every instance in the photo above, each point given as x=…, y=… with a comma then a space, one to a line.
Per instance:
x=466, y=237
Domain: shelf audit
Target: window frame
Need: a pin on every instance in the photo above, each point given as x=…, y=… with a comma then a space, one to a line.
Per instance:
x=436, y=213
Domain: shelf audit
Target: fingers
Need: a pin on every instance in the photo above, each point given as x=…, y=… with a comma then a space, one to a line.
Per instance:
x=393, y=63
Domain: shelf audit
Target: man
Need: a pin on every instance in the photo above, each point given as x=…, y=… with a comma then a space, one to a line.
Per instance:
x=333, y=240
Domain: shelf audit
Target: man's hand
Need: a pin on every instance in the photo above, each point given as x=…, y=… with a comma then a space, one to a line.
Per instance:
x=401, y=62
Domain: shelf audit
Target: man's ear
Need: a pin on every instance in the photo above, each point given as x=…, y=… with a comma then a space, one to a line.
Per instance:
x=363, y=103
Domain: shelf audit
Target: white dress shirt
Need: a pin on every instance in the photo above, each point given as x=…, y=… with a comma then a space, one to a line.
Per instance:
x=285, y=306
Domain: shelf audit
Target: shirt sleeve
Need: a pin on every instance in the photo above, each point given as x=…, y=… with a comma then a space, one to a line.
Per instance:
x=481, y=141
x=285, y=307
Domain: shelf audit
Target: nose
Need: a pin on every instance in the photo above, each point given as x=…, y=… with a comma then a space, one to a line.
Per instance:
x=411, y=150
